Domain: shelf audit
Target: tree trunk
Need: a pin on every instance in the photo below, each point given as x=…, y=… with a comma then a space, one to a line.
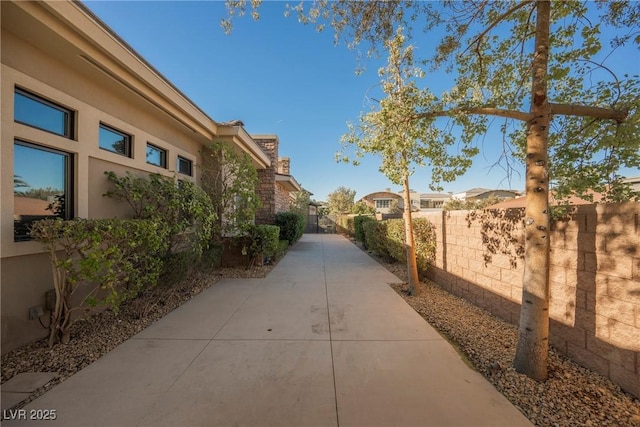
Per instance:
x=533, y=336
x=412, y=265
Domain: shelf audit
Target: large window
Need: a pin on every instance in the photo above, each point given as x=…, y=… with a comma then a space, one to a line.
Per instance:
x=37, y=112
x=185, y=166
x=156, y=156
x=41, y=186
x=383, y=204
x=115, y=141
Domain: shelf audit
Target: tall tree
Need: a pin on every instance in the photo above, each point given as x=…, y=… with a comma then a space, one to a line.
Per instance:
x=540, y=66
x=498, y=51
x=401, y=143
x=341, y=200
x=230, y=180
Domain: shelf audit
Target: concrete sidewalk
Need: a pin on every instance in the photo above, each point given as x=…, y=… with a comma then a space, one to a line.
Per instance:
x=321, y=341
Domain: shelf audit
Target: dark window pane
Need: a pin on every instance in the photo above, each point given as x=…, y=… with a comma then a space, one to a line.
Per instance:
x=156, y=156
x=40, y=186
x=184, y=166
x=42, y=114
x=114, y=141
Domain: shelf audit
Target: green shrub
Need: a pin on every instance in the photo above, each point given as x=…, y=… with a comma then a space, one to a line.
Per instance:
x=375, y=237
x=291, y=226
x=344, y=225
x=283, y=245
x=263, y=243
x=396, y=239
x=177, y=265
x=211, y=257
x=106, y=260
x=184, y=207
x=425, y=241
x=358, y=222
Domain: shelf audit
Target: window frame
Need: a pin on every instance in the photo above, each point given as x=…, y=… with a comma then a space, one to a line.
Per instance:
x=69, y=114
x=188, y=161
x=128, y=140
x=386, y=202
x=163, y=155
x=68, y=178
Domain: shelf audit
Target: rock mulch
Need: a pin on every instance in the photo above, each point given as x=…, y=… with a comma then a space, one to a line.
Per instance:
x=571, y=396
x=93, y=337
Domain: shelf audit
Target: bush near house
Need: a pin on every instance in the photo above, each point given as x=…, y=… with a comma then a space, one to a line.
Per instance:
x=263, y=244
x=183, y=206
x=387, y=239
x=291, y=226
x=358, y=223
x=98, y=263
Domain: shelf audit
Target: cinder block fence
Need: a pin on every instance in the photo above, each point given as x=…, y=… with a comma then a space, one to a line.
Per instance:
x=594, y=278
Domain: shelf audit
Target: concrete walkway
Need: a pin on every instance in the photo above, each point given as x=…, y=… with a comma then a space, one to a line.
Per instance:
x=322, y=341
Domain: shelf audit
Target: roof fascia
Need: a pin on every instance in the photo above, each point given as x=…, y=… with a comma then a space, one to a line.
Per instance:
x=106, y=51
x=288, y=181
x=246, y=143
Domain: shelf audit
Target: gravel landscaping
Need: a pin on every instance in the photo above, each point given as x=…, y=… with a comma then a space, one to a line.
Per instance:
x=572, y=396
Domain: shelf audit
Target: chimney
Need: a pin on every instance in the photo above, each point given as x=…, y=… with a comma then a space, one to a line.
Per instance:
x=284, y=165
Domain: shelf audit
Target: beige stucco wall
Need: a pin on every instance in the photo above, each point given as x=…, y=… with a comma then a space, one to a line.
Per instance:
x=54, y=72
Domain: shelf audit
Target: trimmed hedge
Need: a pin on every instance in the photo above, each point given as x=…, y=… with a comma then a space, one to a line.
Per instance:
x=291, y=226
x=375, y=237
x=387, y=239
x=358, y=223
x=345, y=225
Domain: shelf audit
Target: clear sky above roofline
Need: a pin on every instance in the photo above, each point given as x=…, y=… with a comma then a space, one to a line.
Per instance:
x=279, y=76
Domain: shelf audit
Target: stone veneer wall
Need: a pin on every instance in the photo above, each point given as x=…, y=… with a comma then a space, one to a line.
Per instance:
x=283, y=201
x=267, y=183
x=594, y=279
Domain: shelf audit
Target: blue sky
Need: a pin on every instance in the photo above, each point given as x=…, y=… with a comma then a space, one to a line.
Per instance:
x=277, y=76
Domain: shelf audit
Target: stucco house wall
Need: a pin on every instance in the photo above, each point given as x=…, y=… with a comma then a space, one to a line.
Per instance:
x=63, y=54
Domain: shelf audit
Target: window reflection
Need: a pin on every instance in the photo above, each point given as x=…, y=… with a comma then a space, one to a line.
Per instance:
x=156, y=156
x=42, y=114
x=40, y=186
x=114, y=141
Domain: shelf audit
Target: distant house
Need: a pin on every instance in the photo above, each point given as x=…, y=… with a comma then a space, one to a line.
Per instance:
x=485, y=193
x=521, y=201
x=431, y=201
x=634, y=182
x=383, y=201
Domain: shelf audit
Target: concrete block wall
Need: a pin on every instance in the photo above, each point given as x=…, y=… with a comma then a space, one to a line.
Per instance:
x=594, y=278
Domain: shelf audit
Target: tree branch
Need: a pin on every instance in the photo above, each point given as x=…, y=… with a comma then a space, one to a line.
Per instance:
x=556, y=109
x=586, y=111
x=496, y=22
x=486, y=111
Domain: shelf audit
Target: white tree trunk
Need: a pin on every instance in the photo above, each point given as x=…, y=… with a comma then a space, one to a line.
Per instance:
x=533, y=337
x=412, y=265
